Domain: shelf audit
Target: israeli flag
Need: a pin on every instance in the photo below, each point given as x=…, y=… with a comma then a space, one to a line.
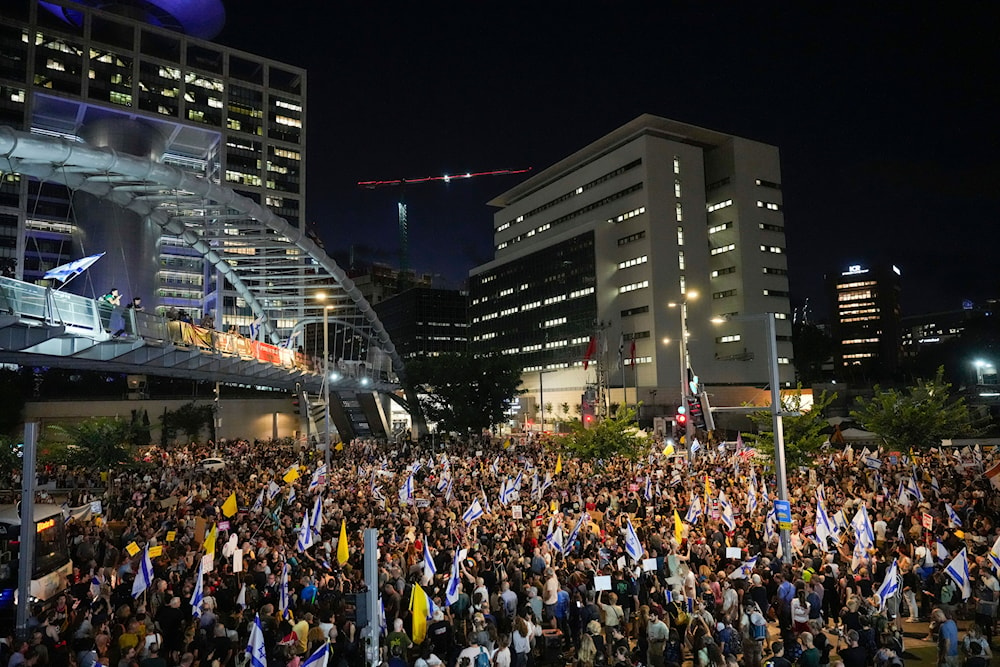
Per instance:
x=258, y=505
x=824, y=527
x=486, y=503
x=557, y=540
x=695, y=446
x=65, y=272
x=648, y=493
x=95, y=587
x=863, y=528
x=952, y=516
x=318, y=477
x=255, y=647
x=632, y=544
x=495, y=466
x=305, y=539
x=319, y=658
x=272, y=490
x=377, y=493
x=455, y=581
x=694, y=511
x=241, y=599
x=534, y=485
x=518, y=480
x=546, y=484
x=443, y=483
x=994, y=555
x=914, y=489
x=447, y=491
x=474, y=512
x=769, y=527
x=935, y=486
x=283, y=599
x=292, y=496
x=429, y=569
x=727, y=511
x=255, y=326
x=406, y=491
x=899, y=533
x=751, y=498
x=507, y=491
x=940, y=551
x=144, y=577
x=890, y=586
x=197, y=595
x=958, y=569
x=568, y=546
x=317, y=517
x=381, y=615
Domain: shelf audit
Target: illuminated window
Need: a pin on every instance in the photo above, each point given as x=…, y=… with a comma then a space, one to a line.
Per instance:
x=581, y=292
x=858, y=341
x=769, y=205
x=677, y=188
x=777, y=250
x=720, y=205
x=722, y=249
x=680, y=212
x=635, y=261
x=638, y=360
x=677, y=165
x=774, y=292
x=680, y=260
x=628, y=215
x=728, y=339
x=554, y=299
x=505, y=292
x=680, y=235
x=725, y=271
x=718, y=228
x=633, y=286
x=554, y=322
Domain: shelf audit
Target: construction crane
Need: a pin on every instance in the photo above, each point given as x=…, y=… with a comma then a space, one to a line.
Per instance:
x=404, y=242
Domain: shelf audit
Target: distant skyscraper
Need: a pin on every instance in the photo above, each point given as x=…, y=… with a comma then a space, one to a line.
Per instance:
x=142, y=79
x=606, y=238
x=424, y=321
x=866, y=325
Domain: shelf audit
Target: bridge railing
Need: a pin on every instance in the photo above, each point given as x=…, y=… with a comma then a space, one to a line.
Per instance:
x=51, y=307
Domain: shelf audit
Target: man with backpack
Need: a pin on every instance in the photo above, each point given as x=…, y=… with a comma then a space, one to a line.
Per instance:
x=753, y=628
x=474, y=655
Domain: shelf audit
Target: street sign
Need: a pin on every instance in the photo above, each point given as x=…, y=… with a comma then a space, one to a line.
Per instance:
x=783, y=513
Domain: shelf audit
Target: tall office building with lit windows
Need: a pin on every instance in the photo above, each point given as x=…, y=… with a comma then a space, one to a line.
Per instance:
x=866, y=325
x=143, y=78
x=602, y=242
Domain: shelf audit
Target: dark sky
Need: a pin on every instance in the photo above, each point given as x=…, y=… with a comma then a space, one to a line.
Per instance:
x=886, y=119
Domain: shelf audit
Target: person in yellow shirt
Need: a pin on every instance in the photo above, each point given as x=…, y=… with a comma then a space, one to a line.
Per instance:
x=301, y=630
x=129, y=638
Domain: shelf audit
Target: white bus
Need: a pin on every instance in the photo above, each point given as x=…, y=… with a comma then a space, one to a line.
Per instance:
x=52, y=566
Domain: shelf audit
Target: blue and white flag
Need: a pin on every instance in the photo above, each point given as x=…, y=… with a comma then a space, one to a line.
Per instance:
x=899, y=533
x=728, y=518
x=633, y=547
x=316, y=524
x=545, y=484
x=568, y=546
x=305, y=538
x=763, y=491
x=455, y=581
x=694, y=511
x=863, y=528
x=648, y=493
x=290, y=343
x=751, y=498
x=474, y=512
x=198, y=594
x=258, y=505
x=695, y=446
x=283, y=598
x=935, y=486
x=406, y=491
x=381, y=615
x=872, y=462
x=447, y=490
x=486, y=503
x=319, y=658
x=958, y=569
x=557, y=540
x=255, y=647
x=377, y=493
x=940, y=551
x=769, y=527
x=144, y=577
x=824, y=527
x=291, y=496
x=518, y=480
x=272, y=490
x=255, y=326
x=66, y=271
x=952, y=516
x=745, y=569
x=318, y=478
x=429, y=569
x=95, y=587
x=994, y=555
x=890, y=586
x=443, y=483
x=495, y=466
x=914, y=489
x=507, y=491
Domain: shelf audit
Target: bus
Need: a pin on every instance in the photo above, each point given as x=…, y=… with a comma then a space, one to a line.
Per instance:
x=52, y=567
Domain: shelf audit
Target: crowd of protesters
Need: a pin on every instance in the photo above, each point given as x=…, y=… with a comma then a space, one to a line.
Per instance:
x=659, y=561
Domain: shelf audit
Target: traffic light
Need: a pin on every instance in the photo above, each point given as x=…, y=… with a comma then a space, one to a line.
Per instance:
x=588, y=402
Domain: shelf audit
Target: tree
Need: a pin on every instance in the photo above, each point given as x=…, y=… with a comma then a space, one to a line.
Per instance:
x=99, y=443
x=919, y=416
x=464, y=392
x=9, y=462
x=803, y=433
x=607, y=438
x=189, y=419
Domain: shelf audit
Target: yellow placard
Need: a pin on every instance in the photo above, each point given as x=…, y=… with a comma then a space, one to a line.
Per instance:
x=132, y=548
x=291, y=476
x=156, y=551
x=171, y=535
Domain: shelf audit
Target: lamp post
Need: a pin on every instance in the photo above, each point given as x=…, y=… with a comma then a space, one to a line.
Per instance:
x=684, y=363
x=326, y=378
x=777, y=413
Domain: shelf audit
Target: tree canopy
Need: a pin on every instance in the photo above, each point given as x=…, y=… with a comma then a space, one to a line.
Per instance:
x=803, y=434
x=100, y=443
x=919, y=416
x=464, y=392
x=606, y=438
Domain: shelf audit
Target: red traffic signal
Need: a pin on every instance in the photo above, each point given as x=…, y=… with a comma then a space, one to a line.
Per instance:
x=680, y=418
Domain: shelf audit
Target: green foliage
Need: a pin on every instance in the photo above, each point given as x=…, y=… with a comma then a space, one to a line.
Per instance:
x=9, y=461
x=190, y=419
x=607, y=438
x=99, y=443
x=919, y=416
x=803, y=434
x=463, y=392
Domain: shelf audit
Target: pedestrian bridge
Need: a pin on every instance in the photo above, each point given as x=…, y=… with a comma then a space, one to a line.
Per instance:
x=271, y=266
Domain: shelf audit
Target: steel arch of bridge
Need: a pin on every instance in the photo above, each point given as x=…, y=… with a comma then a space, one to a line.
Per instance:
x=259, y=253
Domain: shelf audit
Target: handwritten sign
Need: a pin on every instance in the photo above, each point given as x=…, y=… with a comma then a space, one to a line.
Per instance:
x=156, y=552
x=517, y=512
x=132, y=548
x=171, y=535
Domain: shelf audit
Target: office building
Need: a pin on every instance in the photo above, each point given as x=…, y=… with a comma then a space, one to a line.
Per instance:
x=600, y=243
x=866, y=323
x=144, y=79
x=423, y=321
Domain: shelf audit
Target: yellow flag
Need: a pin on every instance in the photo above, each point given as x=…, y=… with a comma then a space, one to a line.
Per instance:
x=419, y=606
x=669, y=449
x=229, y=507
x=506, y=443
x=559, y=464
x=708, y=489
x=210, y=541
x=291, y=475
x=340, y=446
x=342, y=551
x=678, y=527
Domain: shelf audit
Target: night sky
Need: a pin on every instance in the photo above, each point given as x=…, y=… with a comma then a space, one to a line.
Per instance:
x=886, y=119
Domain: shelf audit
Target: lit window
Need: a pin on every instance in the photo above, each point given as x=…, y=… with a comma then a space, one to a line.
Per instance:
x=581, y=292
x=555, y=299
x=722, y=272
x=722, y=249
x=680, y=212
x=718, y=228
x=628, y=215
x=769, y=205
x=680, y=260
x=638, y=360
x=680, y=235
x=777, y=250
x=505, y=292
x=720, y=205
x=633, y=286
x=635, y=261
x=554, y=322
x=728, y=339
x=677, y=188
x=579, y=190
x=677, y=165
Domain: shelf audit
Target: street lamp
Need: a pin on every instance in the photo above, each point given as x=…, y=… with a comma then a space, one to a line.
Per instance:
x=684, y=363
x=321, y=296
x=776, y=413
